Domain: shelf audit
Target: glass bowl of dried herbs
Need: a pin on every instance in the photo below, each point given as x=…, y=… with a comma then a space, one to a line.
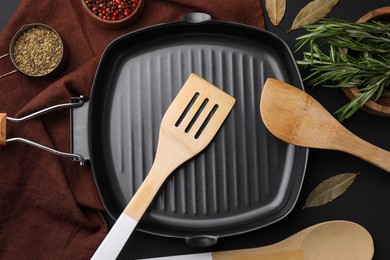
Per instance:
x=37, y=50
x=353, y=56
x=113, y=14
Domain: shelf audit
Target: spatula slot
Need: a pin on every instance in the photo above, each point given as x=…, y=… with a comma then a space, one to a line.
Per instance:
x=193, y=120
x=188, y=107
x=206, y=121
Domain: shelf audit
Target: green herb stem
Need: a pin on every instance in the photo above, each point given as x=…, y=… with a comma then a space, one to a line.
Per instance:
x=366, y=64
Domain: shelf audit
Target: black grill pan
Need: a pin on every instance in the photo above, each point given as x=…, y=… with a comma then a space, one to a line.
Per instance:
x=245, y=179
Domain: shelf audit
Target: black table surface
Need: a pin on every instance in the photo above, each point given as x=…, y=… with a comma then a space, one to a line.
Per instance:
x=366, y=202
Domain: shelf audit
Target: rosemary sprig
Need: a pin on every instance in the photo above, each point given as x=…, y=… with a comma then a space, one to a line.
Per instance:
x=366, y=65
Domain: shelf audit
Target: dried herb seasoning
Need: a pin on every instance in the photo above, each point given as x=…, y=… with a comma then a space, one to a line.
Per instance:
x=330, y=189
x=37, y=51
x=312, y=12
x=275, y=10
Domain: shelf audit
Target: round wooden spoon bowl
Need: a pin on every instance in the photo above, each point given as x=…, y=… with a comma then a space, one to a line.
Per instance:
x=336, y=240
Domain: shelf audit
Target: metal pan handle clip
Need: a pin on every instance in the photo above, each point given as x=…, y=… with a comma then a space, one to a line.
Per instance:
x=76, y=102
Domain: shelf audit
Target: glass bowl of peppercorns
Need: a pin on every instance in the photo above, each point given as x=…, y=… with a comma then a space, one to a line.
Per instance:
x=113, y=14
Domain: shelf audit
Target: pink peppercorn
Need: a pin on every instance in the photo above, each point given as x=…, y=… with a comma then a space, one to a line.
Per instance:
x=112, y=9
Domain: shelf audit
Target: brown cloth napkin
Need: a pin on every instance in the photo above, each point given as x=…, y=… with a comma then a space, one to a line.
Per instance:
x=49, y=206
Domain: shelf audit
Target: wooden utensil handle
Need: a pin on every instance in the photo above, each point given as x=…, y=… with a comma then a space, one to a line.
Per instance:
x=164, y=164
x=350, y=143
x=3, y=129
x=139, y=203
x=145, y=194
x=258, y=254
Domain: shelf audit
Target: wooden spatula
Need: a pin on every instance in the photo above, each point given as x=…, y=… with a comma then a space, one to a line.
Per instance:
x=335, y=240
x=297, y=118
x=188, y=126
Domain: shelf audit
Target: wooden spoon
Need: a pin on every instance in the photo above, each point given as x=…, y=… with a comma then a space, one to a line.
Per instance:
x=187, y=127
x=297, y=118
x=333, y=240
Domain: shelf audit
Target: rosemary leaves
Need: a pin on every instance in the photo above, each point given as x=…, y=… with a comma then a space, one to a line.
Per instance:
x=37, y=51
x=366, y=65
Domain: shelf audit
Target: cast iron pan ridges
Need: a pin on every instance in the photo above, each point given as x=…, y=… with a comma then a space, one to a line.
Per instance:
x=245, y=179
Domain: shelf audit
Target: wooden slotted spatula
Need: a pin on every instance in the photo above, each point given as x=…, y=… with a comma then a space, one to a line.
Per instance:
x=187, y=127
x=297, y=118
x=332, y=240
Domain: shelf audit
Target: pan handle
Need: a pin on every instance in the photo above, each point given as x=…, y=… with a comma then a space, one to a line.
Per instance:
x=3, y=128
x=8, y=73
x=201, y=241
x=76, y=102
x=195, y=17
x=75, y=157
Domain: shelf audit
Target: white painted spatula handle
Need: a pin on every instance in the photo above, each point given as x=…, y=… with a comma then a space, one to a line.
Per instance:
x=116, y=238
x=113, y=243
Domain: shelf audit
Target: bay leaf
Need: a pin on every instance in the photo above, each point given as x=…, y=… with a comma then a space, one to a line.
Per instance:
x=275, y=10
x=313, y=12
x=330, y=189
